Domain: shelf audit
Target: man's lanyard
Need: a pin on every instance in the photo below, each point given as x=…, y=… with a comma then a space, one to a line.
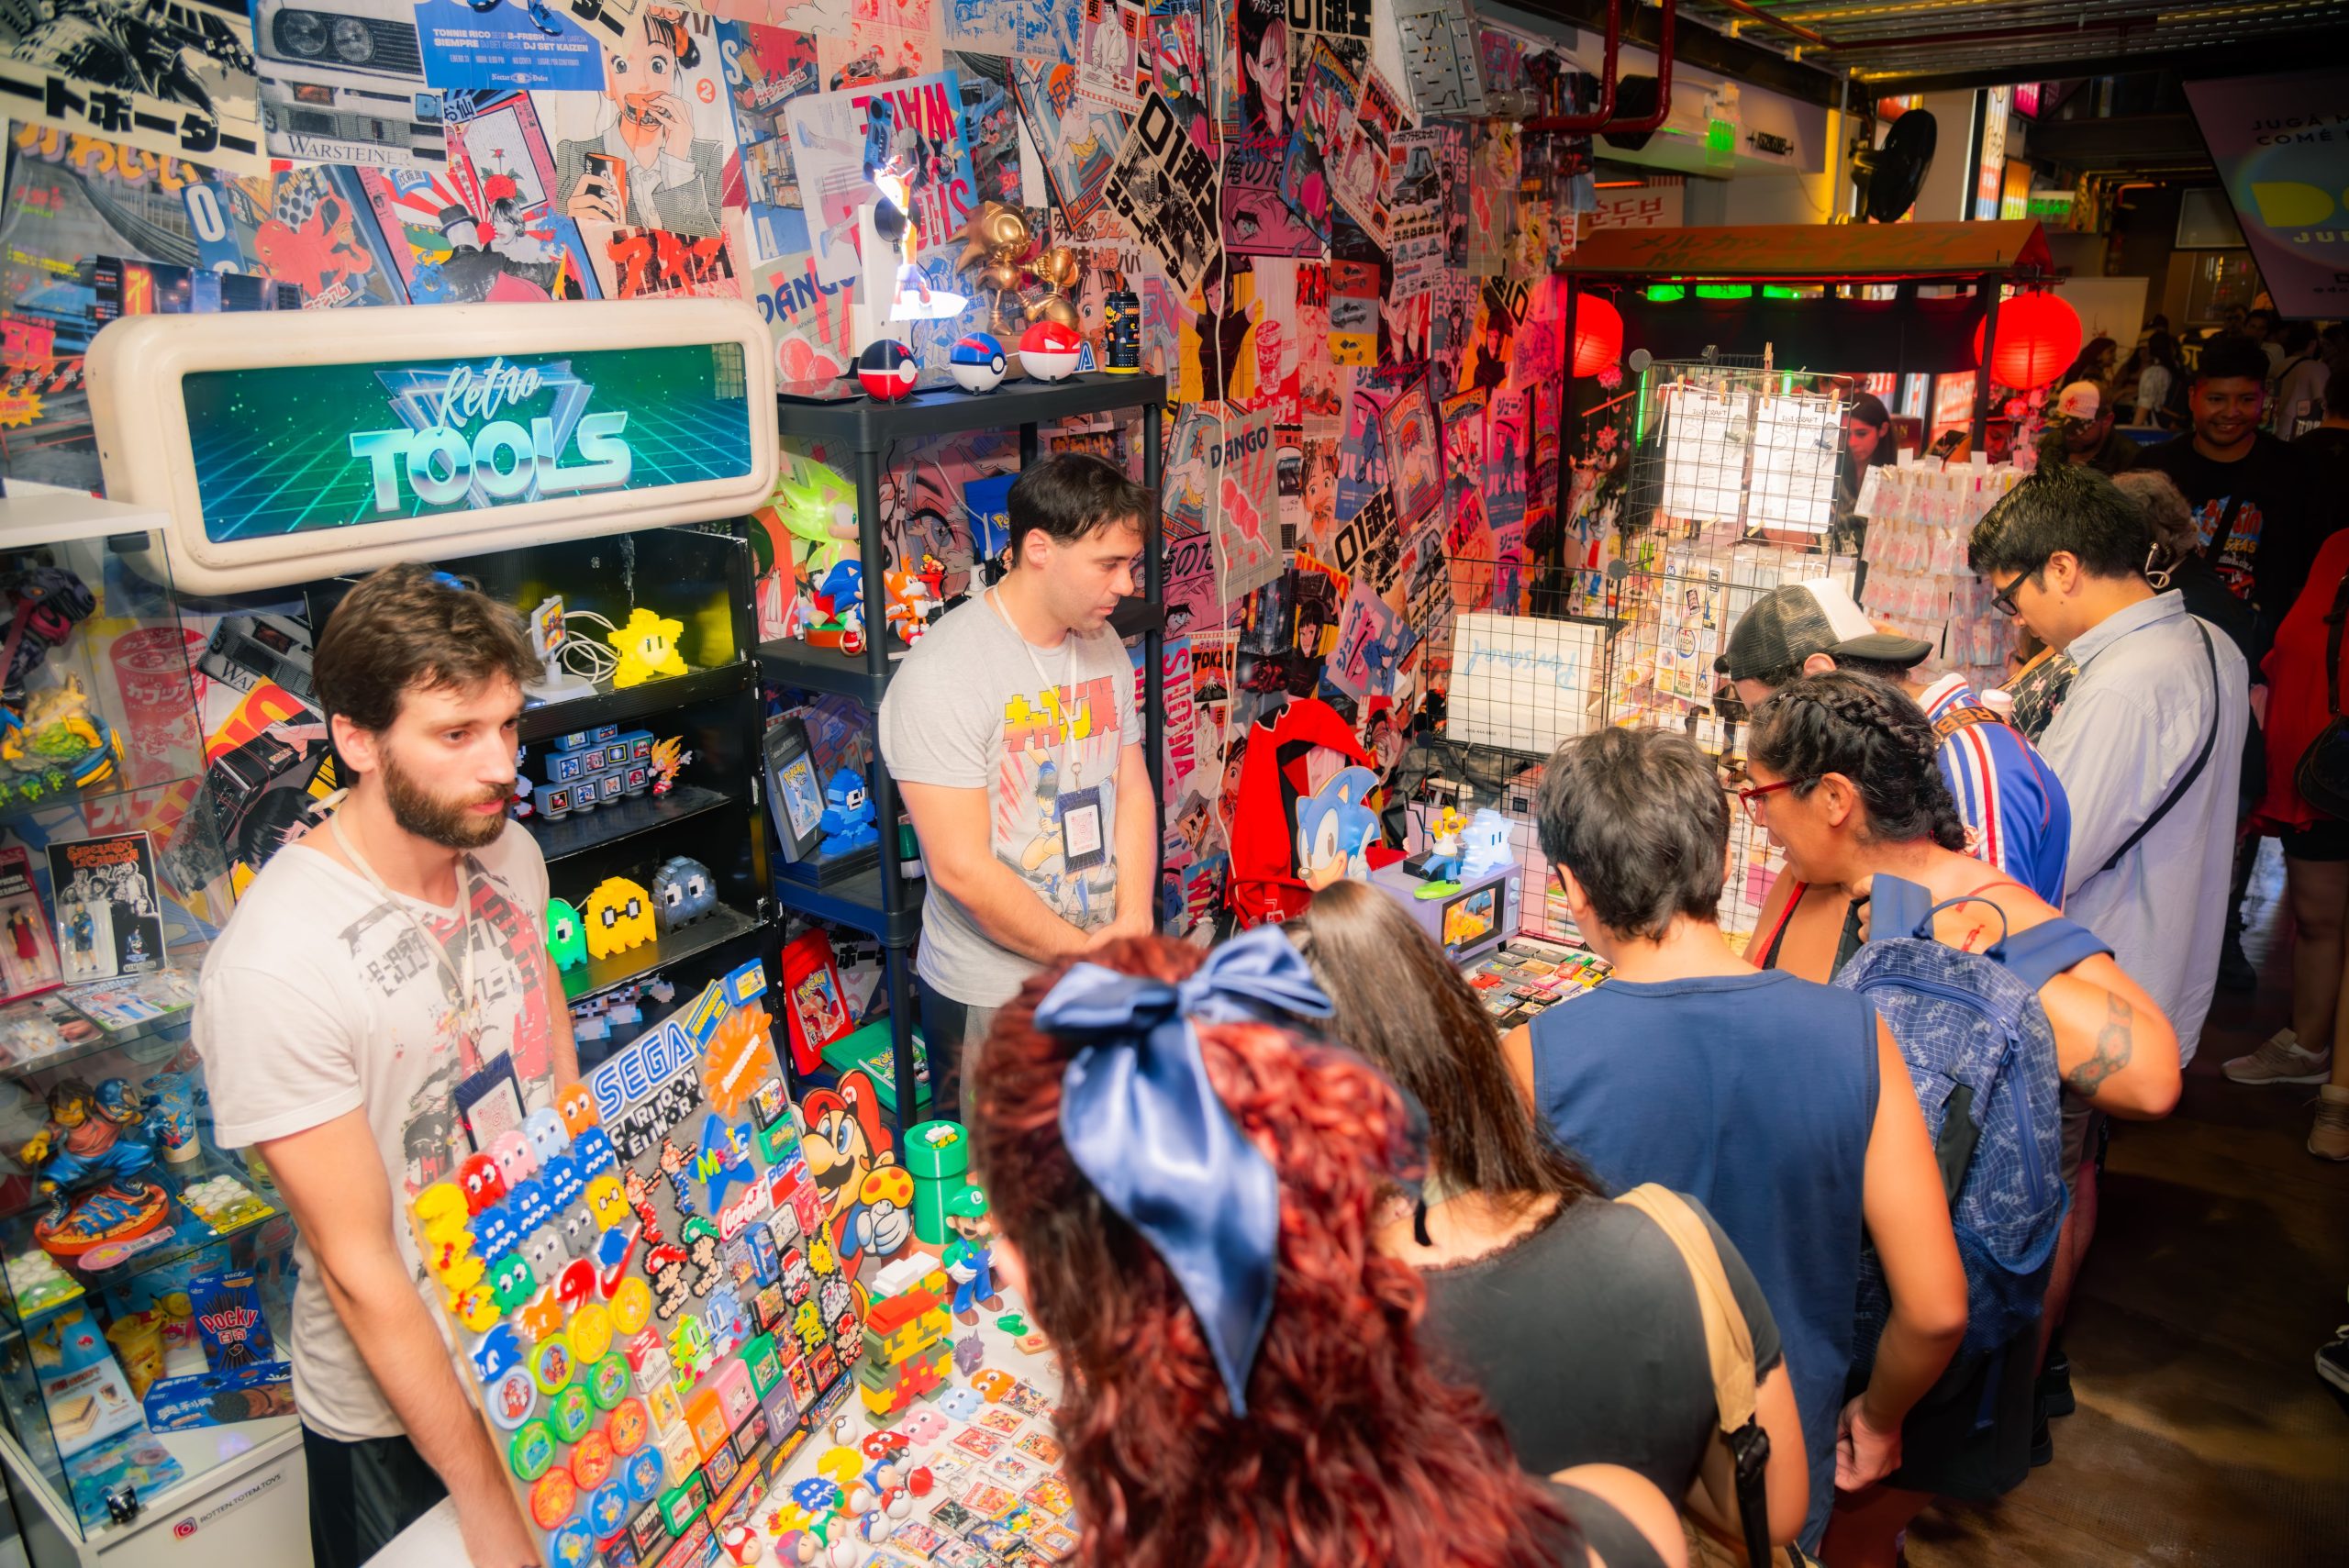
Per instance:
x=1084, y=845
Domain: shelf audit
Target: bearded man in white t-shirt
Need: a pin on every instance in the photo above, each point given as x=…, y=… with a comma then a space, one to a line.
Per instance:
x=378, y=1009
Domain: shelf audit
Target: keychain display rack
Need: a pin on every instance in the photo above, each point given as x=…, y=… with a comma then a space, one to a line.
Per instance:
x=1727, y=492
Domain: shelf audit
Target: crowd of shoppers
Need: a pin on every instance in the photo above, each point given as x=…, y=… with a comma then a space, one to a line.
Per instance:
x=1396, y=1254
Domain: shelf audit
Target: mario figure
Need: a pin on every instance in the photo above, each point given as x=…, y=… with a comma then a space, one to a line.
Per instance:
x=843, y=1143
x=968, y=1261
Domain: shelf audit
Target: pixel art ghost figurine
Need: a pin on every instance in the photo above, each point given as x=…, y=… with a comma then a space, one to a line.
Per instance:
x=620, y=917
x=566, y=938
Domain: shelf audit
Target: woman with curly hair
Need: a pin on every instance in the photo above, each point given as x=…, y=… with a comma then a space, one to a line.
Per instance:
x=1187, y=1196
x=1844, y=781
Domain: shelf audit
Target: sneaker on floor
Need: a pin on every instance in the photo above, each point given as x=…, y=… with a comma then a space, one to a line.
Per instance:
x=2055, y=1396
x=2332, y=1360
x=2329, y=1139
x=2235, y=973
x=2282, y=1060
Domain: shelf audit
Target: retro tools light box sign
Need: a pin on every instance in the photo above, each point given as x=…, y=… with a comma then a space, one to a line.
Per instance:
x=281, y=457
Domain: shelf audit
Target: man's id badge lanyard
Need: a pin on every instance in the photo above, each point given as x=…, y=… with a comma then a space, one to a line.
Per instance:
x=1083, y=843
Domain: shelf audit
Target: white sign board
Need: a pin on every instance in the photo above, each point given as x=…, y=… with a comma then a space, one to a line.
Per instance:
x=1524, y=684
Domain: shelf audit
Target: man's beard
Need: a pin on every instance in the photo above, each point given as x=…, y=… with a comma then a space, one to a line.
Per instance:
x=452, y=825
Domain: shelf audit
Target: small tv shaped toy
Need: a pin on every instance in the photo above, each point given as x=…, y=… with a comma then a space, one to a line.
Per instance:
x=1467, y=924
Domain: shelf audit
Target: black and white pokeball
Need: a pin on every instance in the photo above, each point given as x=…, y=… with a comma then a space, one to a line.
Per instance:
x=886, y=369
x=1048, y=350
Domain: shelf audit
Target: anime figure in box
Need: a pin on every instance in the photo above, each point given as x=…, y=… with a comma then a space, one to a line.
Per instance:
x=969, y=1262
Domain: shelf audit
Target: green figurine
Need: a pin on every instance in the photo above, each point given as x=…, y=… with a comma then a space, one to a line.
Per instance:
x=968, y=1261
x=566, y=938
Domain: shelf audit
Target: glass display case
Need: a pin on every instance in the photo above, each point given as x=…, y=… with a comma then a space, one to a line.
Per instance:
x=147, y=1272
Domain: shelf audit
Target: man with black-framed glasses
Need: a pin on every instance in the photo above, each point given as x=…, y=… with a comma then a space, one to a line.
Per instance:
x=2149, y=741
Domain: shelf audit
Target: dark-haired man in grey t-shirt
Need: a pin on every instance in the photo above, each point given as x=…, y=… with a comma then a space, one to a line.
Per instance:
x=1011, y=734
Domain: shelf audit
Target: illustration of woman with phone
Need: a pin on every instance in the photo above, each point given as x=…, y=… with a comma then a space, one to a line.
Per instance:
x=644, y=168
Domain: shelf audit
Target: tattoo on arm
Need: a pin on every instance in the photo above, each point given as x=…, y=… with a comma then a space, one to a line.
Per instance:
x=2114, y=1043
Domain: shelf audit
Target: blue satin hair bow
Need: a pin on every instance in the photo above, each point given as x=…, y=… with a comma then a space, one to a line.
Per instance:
x=1144, y=1124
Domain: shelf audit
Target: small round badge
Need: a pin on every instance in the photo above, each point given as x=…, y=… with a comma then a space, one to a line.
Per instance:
x=511, y=1398
x=571, y=1413
x=607, y=1510
x=630, y=1426
x=531, y=1453
x=550, y=1363
x=644, y=1475
x=552, y=1497
x=591, y=1461
x=631, y=1306
x=609, y=1380
x=571, y=1547
x=591, y=1331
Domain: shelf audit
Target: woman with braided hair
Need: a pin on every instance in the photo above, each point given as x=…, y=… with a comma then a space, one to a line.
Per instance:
x=1844, y=781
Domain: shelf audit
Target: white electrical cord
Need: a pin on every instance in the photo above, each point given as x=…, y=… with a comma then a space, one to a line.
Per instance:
x=595, y=660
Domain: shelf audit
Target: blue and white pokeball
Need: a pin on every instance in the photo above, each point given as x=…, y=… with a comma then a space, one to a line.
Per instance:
x=886, y=370
x=1048, y=351
x=977, y=362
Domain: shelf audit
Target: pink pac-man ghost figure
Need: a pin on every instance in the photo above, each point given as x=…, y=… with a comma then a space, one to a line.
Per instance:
x=924, y=1425
x=516, y=1161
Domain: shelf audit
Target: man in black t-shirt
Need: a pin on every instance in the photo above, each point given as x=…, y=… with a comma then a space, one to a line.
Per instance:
x=2245, y=487
x=2251, y=505
x=2324, y=459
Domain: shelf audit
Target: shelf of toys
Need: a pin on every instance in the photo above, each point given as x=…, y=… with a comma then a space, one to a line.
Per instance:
x=638, y=758
x=844, y=857
x=146, y=1272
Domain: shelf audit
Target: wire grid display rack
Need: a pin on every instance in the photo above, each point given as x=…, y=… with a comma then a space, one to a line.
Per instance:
x=1728, y=491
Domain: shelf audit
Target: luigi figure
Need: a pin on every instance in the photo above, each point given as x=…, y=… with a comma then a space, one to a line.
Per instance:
x=968, y=1261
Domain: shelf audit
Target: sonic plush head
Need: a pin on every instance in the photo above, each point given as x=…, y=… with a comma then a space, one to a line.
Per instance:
x=1335, y=829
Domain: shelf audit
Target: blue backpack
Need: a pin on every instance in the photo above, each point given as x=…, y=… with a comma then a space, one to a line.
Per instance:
x=1982, y=1057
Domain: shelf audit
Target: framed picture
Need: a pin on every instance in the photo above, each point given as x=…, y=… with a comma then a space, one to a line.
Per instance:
x=813, y=1003
x=794, y=789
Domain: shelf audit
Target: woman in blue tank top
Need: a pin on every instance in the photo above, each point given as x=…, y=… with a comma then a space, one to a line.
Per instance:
x=1780, y=1104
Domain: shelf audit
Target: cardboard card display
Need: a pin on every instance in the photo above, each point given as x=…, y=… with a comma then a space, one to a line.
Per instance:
x=643, y=1281
x=28, y=948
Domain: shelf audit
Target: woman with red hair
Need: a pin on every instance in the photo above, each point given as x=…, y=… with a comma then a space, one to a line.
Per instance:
x=1187, y=1196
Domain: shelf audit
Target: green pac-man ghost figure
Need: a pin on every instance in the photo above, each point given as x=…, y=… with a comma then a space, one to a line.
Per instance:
x=566, y=938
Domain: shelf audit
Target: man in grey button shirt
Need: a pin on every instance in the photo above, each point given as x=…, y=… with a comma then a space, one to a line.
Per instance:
x=2148, y=744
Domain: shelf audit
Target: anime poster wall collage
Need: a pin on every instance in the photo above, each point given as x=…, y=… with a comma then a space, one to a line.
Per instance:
x=1332, y=262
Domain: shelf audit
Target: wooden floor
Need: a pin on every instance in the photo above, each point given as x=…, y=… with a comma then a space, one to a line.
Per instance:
x=2203, y=1434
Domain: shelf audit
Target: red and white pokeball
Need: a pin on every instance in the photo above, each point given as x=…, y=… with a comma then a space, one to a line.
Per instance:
x=1048, y=350
x=886, y=369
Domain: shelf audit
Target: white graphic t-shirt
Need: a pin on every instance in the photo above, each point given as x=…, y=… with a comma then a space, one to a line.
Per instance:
x=320, y=997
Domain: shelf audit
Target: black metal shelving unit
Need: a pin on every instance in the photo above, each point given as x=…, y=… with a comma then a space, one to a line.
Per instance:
x=883, y=902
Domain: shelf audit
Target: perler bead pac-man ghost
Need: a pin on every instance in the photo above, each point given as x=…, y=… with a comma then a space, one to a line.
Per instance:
x=647, y=646
x=566, y=944
x=618, y=916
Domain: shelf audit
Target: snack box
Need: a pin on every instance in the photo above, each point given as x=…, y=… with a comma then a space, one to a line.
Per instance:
x=215, y=1398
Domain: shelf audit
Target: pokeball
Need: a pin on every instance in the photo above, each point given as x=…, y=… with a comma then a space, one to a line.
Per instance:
x=1048, y=350
x=886, y=369
x=976, y=362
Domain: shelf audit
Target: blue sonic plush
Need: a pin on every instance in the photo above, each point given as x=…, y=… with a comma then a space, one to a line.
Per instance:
x=1335, y=829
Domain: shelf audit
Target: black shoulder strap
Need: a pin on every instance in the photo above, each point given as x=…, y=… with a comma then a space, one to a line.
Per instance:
x=2332, y=647
x=2201, y=759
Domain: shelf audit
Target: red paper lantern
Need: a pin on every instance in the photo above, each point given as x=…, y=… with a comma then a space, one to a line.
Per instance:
x=2038, y=336
x=1599, y=334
